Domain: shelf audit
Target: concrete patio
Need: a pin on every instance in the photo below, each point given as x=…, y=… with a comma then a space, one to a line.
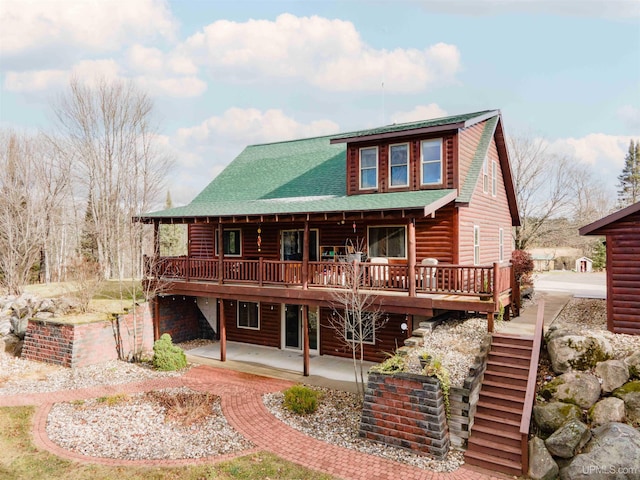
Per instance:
x=326, y=371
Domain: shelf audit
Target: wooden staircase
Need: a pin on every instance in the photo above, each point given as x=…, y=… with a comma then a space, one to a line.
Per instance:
x=495, y=441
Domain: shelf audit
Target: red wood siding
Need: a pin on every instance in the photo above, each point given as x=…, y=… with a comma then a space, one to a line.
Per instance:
x=623, y=274
x=435, y=237
x=269, y=332
x=387, y=338
x=202, y=240
x=490, y=214
x=353, y=164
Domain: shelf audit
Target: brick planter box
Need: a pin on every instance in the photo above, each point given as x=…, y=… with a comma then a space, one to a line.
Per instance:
x=78, y=345
x=405, y=410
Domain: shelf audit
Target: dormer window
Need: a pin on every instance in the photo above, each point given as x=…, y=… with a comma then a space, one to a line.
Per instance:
x=368, y=168
x=399, y=165
x=431, y=162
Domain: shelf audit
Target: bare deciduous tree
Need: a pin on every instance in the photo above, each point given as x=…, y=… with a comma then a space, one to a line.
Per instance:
x=106, y=130
x=355, y=318
x=545, y=186
x=33, y=182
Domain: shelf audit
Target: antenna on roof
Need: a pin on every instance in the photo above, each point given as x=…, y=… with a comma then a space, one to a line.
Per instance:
x=383, y=112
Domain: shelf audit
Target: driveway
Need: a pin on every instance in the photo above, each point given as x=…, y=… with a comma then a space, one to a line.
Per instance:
x=584, y=285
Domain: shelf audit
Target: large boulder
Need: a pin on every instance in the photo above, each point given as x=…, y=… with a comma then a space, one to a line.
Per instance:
x=551, y=416
x=5, y=325
x=613, y=373
x=607, y=410
x=568, y=439
x=630, y=394
x=569, y=351
x=542, y=466
x=580, y=388
x=633, y=364
x=611, y=454
x=13, y=345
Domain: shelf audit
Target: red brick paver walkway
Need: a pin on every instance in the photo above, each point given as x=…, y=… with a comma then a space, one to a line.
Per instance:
x=241, y=395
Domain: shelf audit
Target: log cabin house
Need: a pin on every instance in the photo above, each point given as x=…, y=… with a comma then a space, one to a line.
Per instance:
x=622, y=231
x=424, y=210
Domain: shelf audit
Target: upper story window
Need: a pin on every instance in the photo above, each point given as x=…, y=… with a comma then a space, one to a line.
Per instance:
x=485, y=175
x=431, y=162
x=388, y=242
x=476, y=245
x=399, y=165
x=494, y=178
x=232, y=241
x=368, y=168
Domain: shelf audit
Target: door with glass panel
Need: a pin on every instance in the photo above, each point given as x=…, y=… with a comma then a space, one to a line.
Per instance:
x=292, y=328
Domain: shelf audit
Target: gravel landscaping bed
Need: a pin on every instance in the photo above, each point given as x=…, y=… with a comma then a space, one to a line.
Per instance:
x=135, y=428
x=589, y=316
x=456, y=343
x=337, y=420
x=25, y=376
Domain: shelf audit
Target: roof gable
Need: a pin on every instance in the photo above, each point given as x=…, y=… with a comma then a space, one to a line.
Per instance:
x=595, y=227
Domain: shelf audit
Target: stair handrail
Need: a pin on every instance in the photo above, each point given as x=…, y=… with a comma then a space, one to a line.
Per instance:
x=530, y=395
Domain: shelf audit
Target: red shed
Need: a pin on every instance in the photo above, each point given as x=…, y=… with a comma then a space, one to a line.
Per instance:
x=622, y=230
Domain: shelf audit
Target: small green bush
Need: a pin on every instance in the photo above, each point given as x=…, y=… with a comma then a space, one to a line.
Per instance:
x=300, y=399
x=166, y=356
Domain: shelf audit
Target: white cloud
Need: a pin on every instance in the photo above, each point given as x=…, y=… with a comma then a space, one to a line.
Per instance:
x=249, y=126
x=612, y=9
x=596, y=149
x=420, y=112
x=41, y=80
x=630, y=115
x=328, y=54
x=96, y=25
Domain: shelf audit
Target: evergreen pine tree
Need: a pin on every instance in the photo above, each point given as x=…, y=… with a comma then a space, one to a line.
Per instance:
x=629, y=192
x=88, y=248
x=172, y=241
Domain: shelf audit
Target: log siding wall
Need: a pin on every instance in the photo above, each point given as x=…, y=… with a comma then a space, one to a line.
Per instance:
x=488, y=212
x=353, y=165
x=623, y=274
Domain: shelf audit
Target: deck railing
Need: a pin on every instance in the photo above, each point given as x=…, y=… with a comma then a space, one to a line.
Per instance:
x=473, y=280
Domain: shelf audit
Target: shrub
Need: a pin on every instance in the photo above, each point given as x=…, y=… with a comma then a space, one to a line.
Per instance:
x=166, y=356
x=522, y=266
x=300, y=399
x=393, y=364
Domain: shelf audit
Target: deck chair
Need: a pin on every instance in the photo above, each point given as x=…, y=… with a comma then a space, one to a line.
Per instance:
x=379, y=270
x=428, y=274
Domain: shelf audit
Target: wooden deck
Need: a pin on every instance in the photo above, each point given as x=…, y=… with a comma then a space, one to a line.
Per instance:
x=427, y=289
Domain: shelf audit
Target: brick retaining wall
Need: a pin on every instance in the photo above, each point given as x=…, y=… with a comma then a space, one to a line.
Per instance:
x=180, y=318
x=78, y=345
x=405, y=410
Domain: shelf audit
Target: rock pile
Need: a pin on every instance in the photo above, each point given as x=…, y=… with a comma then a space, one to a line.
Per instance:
x=586, y=415
x=16, y=311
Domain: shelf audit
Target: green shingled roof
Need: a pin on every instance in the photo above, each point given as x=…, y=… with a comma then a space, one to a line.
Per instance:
x=435, y=122
x=305, y=176
x=478, y=159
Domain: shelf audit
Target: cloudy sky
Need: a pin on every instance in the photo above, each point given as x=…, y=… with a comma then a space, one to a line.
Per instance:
x=225, y=74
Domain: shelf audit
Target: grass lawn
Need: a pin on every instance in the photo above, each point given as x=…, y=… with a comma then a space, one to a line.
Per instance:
x=20, y=460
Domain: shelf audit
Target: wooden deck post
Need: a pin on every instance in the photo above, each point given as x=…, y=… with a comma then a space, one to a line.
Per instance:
x=305, y=257
x=305, y=338
x=156, y=239
x=223, y=333
x=220, y=254
x=156, y=318
x=412, y=258
x=490, y=322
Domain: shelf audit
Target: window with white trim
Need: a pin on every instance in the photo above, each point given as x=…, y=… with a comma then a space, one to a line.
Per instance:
x=431, y=162
x=232, y=241
x=494, y=178
x=399, y=165
x=360, y=328
x=501, y=245
x=387, y=242
x=476, y=245
x=485, y=175
x=368, y=168
x=248, y=314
